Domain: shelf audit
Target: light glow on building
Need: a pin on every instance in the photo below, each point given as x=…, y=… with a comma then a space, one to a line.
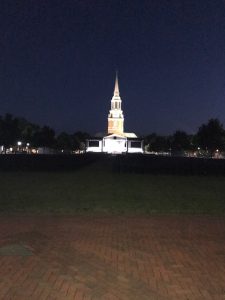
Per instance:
x=116, y=141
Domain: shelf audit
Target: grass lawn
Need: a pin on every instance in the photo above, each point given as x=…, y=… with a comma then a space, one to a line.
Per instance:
x=94, y=191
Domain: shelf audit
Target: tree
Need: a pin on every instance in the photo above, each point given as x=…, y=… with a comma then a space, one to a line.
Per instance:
x=79, y=140
x=157, y=143
x=9, y=130
x=45, y=137
x=27, y=130
x=64, y=141
x=211, y=136
x=181, y=141
x=14, y=129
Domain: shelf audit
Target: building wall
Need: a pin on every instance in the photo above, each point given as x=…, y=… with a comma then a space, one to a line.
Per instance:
x=94, y=146
x=115, y=125
x=135, y=146
x=114, y=144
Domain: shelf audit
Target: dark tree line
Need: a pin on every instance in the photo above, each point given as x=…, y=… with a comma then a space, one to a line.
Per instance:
x=13, y=129
x=209, y=138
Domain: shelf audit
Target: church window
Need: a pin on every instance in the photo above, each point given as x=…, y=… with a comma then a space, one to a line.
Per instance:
x=93, y=143
x=135, y=144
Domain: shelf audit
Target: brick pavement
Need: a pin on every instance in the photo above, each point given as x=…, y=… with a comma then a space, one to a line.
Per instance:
x=113, y=258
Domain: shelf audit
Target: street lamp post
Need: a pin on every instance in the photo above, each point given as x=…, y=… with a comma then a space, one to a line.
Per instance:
x=27, y=147
x=19, y=144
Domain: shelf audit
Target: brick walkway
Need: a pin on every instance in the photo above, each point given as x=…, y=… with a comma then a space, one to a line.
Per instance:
x=155, y=258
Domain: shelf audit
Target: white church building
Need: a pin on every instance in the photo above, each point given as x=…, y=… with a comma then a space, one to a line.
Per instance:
x=116, y=141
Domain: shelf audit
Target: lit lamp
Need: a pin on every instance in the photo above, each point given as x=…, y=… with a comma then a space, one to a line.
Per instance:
x=27, y=147
x=19, y=144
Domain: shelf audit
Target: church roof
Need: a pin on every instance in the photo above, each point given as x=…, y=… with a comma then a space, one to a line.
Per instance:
x=130, y=135
x=121, y=135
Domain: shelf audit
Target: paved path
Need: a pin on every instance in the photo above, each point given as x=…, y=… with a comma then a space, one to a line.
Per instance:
x=109, y=258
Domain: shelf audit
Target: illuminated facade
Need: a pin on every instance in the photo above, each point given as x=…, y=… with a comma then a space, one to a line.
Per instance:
x=115, y=117
x=116, y=141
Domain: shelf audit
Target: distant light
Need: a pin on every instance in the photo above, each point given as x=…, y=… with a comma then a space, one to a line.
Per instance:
x=217, y=150
x=28, y=144
x=11, y=149
x=19, y=143
x=198, y=148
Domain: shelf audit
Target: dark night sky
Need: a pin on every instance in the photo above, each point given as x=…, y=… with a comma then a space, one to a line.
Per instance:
x=58, y=62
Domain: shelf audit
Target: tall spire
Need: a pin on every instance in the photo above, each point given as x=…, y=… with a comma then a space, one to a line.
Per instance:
x=116, y=89
x=115, y=116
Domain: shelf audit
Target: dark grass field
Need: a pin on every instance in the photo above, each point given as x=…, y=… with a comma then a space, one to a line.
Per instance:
x=93, y=191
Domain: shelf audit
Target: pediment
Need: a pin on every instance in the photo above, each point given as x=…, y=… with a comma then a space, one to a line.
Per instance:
x=115, y=135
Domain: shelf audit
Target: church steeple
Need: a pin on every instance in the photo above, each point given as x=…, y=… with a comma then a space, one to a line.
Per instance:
x=116, y=89
x=115, y=117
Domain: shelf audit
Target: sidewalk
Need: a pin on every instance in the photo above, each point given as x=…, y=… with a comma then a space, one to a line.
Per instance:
x=109, y=258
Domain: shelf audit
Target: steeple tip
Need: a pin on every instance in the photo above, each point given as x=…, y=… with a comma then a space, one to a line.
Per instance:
x=116, y=89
